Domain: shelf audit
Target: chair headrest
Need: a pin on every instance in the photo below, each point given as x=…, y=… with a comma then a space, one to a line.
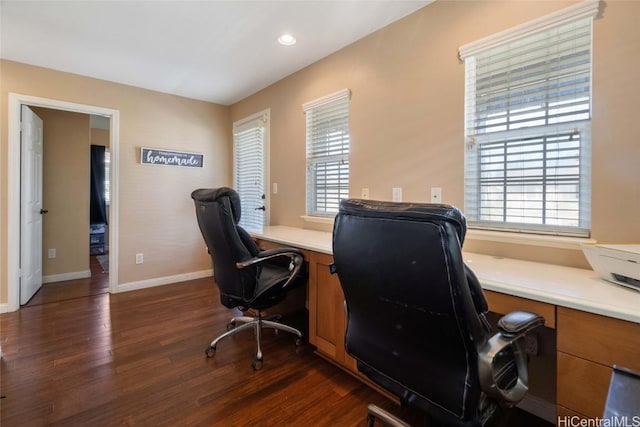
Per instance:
x=406, y=211
x=215, y=194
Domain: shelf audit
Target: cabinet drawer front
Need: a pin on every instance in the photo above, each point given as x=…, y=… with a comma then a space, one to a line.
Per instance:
x=599, y=338
x=502, y=304
x=582, y=385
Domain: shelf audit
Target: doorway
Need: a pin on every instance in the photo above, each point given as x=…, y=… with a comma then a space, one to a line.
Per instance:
x=74, y=235
x=251, y=169
x=14, y=184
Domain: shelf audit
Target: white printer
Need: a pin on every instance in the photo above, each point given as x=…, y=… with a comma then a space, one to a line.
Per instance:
x=616, y=263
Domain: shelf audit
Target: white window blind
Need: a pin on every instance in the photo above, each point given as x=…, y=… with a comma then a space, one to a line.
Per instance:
x=249, y=148
x=527, y=129
x=327, y=153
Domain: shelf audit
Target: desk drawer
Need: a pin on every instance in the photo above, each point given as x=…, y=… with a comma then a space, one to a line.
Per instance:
x=582, y=385
x=502, y=304
x=602, y=339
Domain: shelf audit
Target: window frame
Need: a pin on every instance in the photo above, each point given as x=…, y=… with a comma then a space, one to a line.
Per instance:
x=107, y=183
x=334, y=161
x=259, y=120
x=473, y=181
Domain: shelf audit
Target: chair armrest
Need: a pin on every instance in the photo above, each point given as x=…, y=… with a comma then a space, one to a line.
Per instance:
x=518, y=323
x=512, y=328
x=263, y=256
x=296, y=255
x=280, y=252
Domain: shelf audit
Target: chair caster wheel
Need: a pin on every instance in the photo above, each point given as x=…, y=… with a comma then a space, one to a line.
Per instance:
x=231, y=325
x=210, y=352
x=256, y=364
x=298, y=342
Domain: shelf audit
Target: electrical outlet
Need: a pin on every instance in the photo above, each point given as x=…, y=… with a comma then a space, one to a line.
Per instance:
x=274, y=188
x=396, y=194
x=139, y=258
x=365, y=193
x=51, y=253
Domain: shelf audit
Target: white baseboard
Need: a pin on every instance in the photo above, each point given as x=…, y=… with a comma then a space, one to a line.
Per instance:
x=159, y=281
x=538, y=407
x=66, y=276
x=124, y=287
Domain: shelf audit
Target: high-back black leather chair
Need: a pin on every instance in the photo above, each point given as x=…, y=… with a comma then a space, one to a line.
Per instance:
x=246, y=277
x=416, y=314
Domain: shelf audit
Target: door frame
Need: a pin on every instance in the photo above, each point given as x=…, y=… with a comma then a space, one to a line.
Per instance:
x=14, y=177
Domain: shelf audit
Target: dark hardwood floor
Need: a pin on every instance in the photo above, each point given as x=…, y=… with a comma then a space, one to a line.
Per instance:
x=98, y=283
x=137, y=359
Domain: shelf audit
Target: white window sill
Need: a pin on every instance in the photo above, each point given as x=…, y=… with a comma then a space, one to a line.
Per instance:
x=561, y=242
x=318, y=219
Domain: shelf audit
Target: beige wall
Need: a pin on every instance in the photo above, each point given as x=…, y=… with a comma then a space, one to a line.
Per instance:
x=156, y=212
x=406, y=122
x=66, y=164
x=407, y=112
x=100, y=137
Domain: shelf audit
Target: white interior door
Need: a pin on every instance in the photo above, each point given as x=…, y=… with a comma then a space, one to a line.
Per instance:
x=30, y=205
x=250, y=147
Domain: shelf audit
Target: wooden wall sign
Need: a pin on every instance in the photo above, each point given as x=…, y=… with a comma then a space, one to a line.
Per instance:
x=155, y=156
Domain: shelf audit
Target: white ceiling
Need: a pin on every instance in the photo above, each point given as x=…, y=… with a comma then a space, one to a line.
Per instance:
x=217, y=51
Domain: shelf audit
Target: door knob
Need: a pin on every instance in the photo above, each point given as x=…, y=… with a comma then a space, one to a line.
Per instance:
x=43, y=211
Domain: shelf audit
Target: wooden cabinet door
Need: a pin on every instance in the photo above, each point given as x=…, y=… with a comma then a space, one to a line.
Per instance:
x=582, y=385
x=327, y=320
x=588, y=346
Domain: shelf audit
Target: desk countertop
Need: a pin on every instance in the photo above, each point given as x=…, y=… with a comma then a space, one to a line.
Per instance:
x=564, y=286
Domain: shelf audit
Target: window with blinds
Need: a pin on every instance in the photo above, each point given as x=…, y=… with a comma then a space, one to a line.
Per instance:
x=107, y=167
x=527, y=127
x=327, y=153
x=249, y=170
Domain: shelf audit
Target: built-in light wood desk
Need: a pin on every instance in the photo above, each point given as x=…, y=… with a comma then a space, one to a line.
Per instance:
x=597, y=323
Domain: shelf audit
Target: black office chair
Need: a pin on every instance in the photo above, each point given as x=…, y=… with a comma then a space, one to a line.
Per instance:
x=416, y=314
x=246, y=277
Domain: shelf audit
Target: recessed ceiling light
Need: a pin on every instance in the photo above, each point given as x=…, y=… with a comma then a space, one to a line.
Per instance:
x=287, y=40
